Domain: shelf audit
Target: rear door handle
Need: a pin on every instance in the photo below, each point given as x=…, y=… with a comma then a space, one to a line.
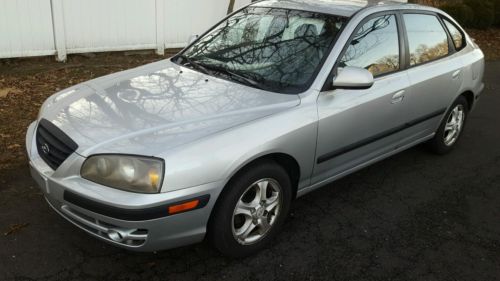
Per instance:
x=456, y=74
x=398, y=97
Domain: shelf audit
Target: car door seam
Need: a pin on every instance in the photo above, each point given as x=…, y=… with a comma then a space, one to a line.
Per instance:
x=378, y=136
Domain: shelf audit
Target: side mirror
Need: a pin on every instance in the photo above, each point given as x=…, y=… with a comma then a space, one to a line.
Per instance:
x=351, y=77
x=192, y=38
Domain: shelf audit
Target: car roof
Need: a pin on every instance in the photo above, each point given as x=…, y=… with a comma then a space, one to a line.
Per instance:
x=345, y=8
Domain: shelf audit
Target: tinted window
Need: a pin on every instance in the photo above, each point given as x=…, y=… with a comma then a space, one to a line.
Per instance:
x=426, y=37
x=456, y=35
x=375, y=46
x=274, y=49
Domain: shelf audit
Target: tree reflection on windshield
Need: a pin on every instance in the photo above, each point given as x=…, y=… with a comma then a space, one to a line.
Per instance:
x=273, y=49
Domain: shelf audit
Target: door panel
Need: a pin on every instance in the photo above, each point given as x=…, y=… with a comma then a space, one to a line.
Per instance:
x=358, y=125
x=434, y=86
x=436, y=77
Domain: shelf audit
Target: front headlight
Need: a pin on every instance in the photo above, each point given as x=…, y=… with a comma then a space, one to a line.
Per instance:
x=131, y=173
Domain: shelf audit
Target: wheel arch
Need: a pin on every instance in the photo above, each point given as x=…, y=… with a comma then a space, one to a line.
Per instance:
x=469, y=96
x=288, y=162
x=285, y=160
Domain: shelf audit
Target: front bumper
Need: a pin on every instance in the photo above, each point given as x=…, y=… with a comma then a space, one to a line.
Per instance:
x=140, y=233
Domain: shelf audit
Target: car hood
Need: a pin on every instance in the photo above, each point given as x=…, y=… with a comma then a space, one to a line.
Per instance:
x=153, y=108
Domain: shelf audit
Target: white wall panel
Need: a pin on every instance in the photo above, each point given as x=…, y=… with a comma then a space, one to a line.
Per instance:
x=187, y=17
x=30, y=27
x=184, y=18
x=25, y=28
x=240, y=3
x=98, y=25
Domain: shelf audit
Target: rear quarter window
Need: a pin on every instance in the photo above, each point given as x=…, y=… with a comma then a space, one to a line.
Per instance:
x=427, y=38
x=457, y=35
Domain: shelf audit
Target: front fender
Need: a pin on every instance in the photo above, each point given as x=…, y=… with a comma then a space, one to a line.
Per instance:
x=219, y=157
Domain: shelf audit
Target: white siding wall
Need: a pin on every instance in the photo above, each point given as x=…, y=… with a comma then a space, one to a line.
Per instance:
x=96, y=25
x=44, y=27
x=26, y=28
x=187, y=17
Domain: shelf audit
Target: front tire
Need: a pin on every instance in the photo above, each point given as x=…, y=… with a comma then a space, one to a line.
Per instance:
x=251, y=210
x=451, y=127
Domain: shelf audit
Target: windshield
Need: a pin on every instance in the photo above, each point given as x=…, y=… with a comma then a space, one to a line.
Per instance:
x=278, y=50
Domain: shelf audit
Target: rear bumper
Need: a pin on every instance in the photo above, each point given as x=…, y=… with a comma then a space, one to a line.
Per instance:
x=128, y=220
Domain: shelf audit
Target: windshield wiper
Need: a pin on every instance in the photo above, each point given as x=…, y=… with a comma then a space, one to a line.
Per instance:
x=210, y=69
x=242, y=79
x=193, y=64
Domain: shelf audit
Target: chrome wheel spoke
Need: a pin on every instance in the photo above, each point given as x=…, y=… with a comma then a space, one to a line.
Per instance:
x=449, y=127
x=264, y=225
x=454, y=125
x=460, y=120
x=262, y=192
x=246, y=229
x=271, y=203
x=449, y=137
x=243, y=208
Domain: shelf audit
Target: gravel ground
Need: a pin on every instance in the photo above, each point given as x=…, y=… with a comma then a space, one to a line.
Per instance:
x=414, y=216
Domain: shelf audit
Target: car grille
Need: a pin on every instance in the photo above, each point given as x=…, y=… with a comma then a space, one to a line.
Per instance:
x=53, y=145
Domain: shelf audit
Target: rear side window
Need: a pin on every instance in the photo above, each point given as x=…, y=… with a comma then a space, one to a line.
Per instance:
x=457, y=35
x=375, y=46
x=426, y=38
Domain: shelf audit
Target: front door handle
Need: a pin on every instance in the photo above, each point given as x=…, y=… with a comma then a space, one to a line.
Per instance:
x=456, y=74
x=398, y=97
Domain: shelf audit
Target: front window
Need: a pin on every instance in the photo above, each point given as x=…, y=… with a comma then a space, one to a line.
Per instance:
x=278, y=50
x=375, y=46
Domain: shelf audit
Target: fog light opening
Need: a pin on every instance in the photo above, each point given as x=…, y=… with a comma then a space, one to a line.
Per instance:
x=115, y=236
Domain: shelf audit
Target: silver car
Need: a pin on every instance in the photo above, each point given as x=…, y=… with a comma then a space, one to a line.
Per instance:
x=276, y=100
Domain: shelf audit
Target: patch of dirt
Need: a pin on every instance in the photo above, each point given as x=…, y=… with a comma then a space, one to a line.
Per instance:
x=6, y=91
x=489, y=41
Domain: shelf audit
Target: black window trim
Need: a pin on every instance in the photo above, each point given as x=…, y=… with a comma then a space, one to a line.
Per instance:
x=403, y=41
x=327, y=86
x=451, y=46
x=464, y=40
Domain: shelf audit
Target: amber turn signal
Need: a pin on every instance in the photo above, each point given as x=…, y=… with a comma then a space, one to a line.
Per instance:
x=186, y=206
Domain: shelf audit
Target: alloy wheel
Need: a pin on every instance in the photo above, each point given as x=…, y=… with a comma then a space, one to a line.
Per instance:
x=256, y=211
x=454, y=125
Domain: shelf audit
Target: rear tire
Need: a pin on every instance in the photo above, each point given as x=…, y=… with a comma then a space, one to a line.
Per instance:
x=451, y=127
x=251, y=210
